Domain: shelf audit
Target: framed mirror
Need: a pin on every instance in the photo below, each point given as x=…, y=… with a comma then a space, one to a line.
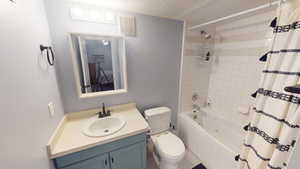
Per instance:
x=99, y=64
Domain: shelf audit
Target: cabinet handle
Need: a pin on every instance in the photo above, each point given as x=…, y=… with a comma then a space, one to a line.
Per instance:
x=105, y=162
x=112, y=160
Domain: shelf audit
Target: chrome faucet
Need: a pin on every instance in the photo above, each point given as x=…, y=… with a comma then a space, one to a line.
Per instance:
x=196, y=108
x=104, y=112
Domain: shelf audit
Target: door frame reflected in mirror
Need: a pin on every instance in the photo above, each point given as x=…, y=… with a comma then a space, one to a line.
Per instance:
x=123, y=66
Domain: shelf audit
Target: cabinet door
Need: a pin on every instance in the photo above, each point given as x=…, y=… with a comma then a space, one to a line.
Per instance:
x=99, y=162
x=132, y=157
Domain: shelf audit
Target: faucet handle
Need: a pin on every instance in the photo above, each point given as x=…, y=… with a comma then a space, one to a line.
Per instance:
x=99, y=114
x=103, y=108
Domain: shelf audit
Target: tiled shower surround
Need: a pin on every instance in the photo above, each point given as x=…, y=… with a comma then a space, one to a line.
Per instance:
x=234, y=73
x=195, y=73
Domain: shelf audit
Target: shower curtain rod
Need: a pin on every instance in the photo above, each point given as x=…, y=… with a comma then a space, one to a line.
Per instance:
x=237, y=14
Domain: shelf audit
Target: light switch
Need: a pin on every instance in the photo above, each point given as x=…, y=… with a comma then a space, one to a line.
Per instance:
x=51, y=109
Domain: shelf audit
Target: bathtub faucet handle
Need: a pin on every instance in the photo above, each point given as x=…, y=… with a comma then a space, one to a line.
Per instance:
x=196, y=108
x=195, y=97
x=207, y=103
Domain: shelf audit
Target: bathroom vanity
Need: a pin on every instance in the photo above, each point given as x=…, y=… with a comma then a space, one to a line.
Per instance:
x=108, y=140
x=128, y=153
x=70, y=148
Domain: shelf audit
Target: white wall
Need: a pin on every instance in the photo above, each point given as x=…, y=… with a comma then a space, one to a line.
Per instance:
x=26, y=88
x=153, y=59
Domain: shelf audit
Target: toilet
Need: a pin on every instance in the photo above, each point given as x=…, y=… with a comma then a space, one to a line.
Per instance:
x=168, y=150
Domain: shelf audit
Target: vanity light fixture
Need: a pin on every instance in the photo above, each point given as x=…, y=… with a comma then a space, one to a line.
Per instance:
x=109, y=17
x=95, y=15
x=76, y=13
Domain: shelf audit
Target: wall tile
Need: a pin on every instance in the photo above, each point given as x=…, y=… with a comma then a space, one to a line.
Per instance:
x=235, y=71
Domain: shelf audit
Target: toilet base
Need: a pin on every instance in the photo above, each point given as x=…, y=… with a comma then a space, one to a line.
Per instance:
x=163, y=164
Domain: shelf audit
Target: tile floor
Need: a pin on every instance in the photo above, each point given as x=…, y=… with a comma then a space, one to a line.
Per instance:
x=188, y=162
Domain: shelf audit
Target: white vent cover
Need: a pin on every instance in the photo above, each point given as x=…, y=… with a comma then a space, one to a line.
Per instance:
x=127, y=25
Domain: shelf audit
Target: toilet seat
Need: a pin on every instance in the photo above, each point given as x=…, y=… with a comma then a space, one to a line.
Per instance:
x=168, y=145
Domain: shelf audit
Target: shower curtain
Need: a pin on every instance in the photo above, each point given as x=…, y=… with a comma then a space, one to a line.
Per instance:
x=274, y=128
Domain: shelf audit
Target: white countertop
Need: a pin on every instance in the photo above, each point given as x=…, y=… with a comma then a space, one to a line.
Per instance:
x=68, y=137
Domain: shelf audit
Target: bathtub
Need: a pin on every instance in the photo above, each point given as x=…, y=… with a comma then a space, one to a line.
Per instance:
x=212, y=138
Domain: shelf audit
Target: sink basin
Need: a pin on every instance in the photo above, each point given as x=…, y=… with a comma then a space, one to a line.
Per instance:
x=99, y=127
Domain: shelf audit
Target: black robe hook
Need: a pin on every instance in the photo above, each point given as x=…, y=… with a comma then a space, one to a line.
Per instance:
x=51, y=59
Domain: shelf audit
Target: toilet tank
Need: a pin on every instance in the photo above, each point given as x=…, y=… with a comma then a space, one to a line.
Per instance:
x=159, y=119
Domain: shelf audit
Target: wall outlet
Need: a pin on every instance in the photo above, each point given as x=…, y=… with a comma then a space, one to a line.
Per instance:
x=51, y=109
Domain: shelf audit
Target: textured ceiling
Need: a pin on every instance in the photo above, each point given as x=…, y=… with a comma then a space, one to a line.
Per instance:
x=192, y=11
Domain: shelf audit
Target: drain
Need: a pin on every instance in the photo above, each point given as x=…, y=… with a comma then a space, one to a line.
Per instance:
x=106, y=131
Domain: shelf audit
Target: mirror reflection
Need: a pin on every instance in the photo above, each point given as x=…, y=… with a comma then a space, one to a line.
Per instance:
x=100, y=63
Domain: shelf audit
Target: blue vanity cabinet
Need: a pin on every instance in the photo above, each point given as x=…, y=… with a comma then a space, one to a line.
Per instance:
x=127, y=153
x=99, y=162
x=132, y=157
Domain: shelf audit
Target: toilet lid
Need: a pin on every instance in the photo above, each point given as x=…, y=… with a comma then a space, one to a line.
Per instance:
x=169, y=145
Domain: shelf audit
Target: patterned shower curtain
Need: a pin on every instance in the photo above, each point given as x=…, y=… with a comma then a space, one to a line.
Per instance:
x=272, y=133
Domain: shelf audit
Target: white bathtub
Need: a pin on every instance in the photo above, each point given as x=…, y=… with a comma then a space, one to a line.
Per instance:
x=215, y=140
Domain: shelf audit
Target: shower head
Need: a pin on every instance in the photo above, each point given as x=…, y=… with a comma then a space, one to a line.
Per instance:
x=205, y=34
